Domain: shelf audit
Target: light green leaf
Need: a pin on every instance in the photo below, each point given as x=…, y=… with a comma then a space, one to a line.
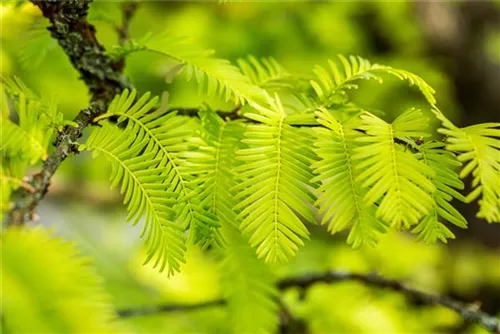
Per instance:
x=48, y=288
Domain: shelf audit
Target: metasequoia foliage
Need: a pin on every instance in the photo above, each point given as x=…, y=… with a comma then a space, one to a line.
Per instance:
x=295, y=151
x=48, y=301
x=358, y=170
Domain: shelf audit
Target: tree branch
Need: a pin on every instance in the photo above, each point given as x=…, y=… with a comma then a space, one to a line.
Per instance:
x=69, y=26
x=232, y=115
x=227, y=115
x=470, y=313
x=128, y=12
x=148, y=310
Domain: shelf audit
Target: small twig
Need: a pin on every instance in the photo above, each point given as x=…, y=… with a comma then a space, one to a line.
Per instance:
x=27, y=197
x=128, y=12
x=123, y=30
x=288, y=323
x=20, y=183
x=68, y=23
x=232, y=115
x=148, y=310
x=470, y=313
x=227, y=115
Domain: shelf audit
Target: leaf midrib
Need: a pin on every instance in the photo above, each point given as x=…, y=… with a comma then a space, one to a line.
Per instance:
x=167, y=154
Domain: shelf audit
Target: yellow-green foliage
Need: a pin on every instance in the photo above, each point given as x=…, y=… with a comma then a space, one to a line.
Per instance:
x=340, y=196
x=479, y=149
x=273, y=183
x=445, y=179
x=247, y=282
x=144, y=183
x=48, y=288
x=215, y=76
x=247, y=190
x=392, y=173
x=27, y=123
x=370, y=174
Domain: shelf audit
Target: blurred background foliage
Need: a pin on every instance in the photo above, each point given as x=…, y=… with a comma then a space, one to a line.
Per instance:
x=454, y=46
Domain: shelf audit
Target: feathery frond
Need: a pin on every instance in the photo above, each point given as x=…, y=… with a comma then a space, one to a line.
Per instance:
x=47, y=288
x=479, y=148
x=337, y=78
x=215, y=76
x=37, y=118
x=340, y=196
x=9, y=182
x=17, y=141
x=168, y=136
x=274, y=183
x=214, y=160
x=27, y=124
x=42, y=107
x=248, y=284
x=394, y=175
x=144, y=183
x=266, y=73
x=446, y=180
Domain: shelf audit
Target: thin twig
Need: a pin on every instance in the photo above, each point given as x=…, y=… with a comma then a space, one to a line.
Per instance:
x=148, y=310
x=128, y=12
x=76, y=36
x=232, y=115
x=470, y=313
x=123, y=30
x=227, y=115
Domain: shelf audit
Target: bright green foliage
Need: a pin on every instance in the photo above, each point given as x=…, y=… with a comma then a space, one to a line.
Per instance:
x=45, y=108
x=146, y=190
x=340, y=196
x=249, y=287
x=337, y=80
x=395, y=176
x=33, y=126
x=215, y=76
x=47, y=288
x=213, y=161
x=446, y=181
x=299, y=150
x=267, y=73
x=247, y=282
x=479, y=148
x=176, y=171
x=26, y=140
x=8, y=183
x=13, y=137
x=274, y=178
x=368, y=172
x=168, y=137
